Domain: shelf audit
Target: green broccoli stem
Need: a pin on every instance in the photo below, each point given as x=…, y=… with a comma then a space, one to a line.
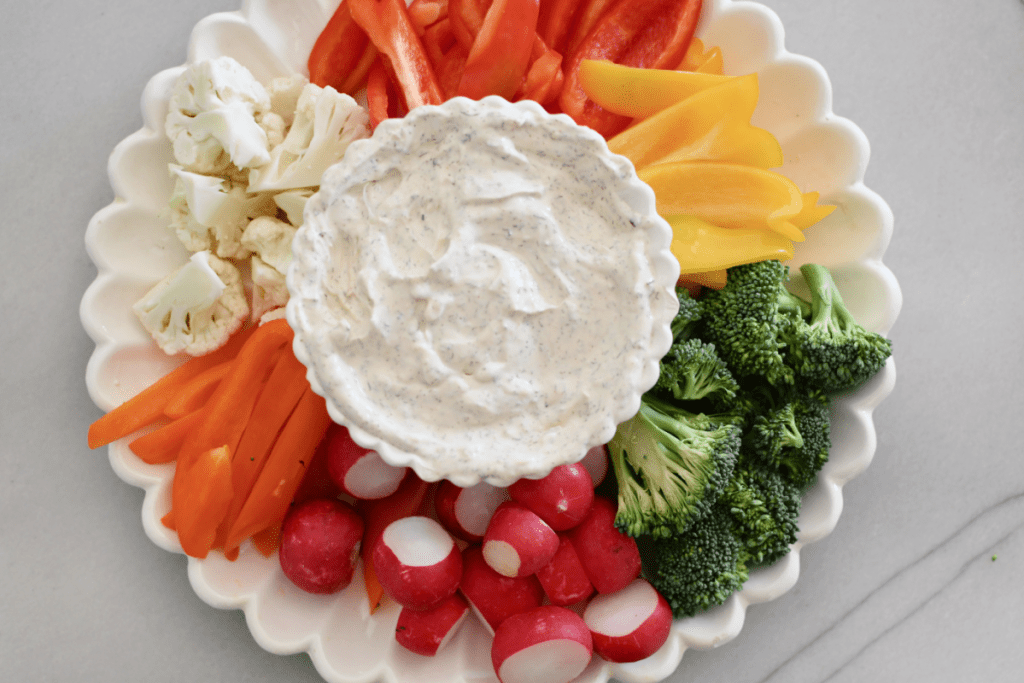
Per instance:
x=827, y=306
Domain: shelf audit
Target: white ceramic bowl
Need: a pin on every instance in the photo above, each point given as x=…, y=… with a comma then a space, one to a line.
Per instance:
x=132, y=249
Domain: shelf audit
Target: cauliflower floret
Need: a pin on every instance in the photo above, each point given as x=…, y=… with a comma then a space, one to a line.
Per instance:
x=271, y=240
x=269, y=291
x=293, y=203
x=215, y=117
x=325, y=122
x=284, y=95
x=196, y=308
x=210, y=213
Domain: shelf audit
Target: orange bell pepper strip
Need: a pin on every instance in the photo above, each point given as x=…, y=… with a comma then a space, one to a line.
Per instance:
x=644, y=33
x=501, y=50
x=274, y=490
x=205, y=495
x=148, y=405
x=378, y=514
x=162, y=445
x=391, y=31
x=336, y=57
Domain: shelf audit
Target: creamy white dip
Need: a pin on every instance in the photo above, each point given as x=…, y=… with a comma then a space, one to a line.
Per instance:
x=482, y=291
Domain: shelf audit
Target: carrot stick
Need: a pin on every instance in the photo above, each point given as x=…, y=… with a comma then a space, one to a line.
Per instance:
x=148, y=405
x=206, y=494
x=195, y=392
x=282, y=392
x=378, y=515
x=162, y=445
x=228, y=410
x=267, y=541
x=268, y=502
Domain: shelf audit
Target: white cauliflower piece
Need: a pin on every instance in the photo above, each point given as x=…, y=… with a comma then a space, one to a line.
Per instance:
x=274, y=314
x=210, y=213
x=293, y=203
x=271, y=240
x=269, y=291
x=196, y=308
x=215, y=116
x=325, y=122
x=284, y=95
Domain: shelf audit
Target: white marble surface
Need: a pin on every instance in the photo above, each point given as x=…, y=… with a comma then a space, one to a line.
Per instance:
x=919, y=581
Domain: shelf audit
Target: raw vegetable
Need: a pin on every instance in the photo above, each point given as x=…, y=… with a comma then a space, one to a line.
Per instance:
x=417, y=562
x=563, y=578
x=465, y=512
x=517, y=541
x=549, y=643
x=495, y=597
x=203, y=496
x=562, y=498
x=320, y=542
x=501, y=50
x=609, y=557
x=336, y=59
x=765, y=510
x=629, y=625
x=358, y=471
x=425, y=632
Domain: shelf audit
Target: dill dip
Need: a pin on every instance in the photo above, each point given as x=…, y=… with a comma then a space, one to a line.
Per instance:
x=482, y=291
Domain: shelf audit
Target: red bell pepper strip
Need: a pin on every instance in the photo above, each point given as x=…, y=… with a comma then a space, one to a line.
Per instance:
x=586, y=18
x=337, y=50
x=424, y=13
x=392, y=32
x=632, y=32
x=544, y=78
x=438, y=39
x=501, y=51
x=556, y=19
x=377, y=94
x=467, y=17
x=449, y=69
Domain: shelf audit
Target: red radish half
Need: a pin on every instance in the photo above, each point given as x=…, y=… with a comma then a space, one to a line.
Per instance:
x=358, y=471
x=563, y=578
x=320, y=545
x=517, y=541
x=596, y=462
x=417, y=562
x=466, y=511
x=609, y=557
x=427, y=631
x=562, y=498
x=494, y=597
x=546, y=645
x=630, y=624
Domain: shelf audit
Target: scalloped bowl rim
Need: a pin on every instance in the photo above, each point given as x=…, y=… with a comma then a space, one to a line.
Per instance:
x=227, y=586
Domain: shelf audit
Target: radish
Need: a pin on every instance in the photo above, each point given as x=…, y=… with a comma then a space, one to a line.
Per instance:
x=492, y=596
x=518, y=542
x=562, y=498
x=465, y=512
x=548, y=644
x=358, y=471
x=417, y=562
x=320, y=545
x=596, y=462
x=563, y=578
x=609, y=557
x=630, y=624
x=427, y=631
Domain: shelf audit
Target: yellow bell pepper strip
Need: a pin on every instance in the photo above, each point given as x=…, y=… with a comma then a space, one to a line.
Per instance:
x=701, y=60
x=391, y=31
x=703, y=247
x=811, y=213
x=501, y=50
x=728, y=195
x=713, y=124
x=640, y=93
x=712, y=279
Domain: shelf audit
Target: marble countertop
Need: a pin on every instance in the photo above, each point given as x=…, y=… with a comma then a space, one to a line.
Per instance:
x=918, y=582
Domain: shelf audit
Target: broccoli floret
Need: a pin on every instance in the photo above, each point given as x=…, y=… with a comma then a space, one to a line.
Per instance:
x=811, y=412
x=692, y=371
x=671, y=465
x=700, y=568
x=832, y=351
x=684, y=325
x=765, y=507
x=773, y=429
x=748, y=319
x=790, y=432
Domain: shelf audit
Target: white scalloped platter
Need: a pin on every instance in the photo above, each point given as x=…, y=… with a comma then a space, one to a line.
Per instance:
x=132, y=247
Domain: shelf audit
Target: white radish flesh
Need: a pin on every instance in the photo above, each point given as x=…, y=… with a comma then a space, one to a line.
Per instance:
x=417, y=562
x=563, y=578
x=358, y=471
x=546, y=645
x=494, y=597
x=562, y=498
x=610, y=558
x=320, y=542
x=425, y=632
x=630, y=624
x=596, y=462
x=465, y=512
x=517, y=541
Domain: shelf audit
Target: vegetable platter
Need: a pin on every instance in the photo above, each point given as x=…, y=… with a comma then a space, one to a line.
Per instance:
x=132, y=248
